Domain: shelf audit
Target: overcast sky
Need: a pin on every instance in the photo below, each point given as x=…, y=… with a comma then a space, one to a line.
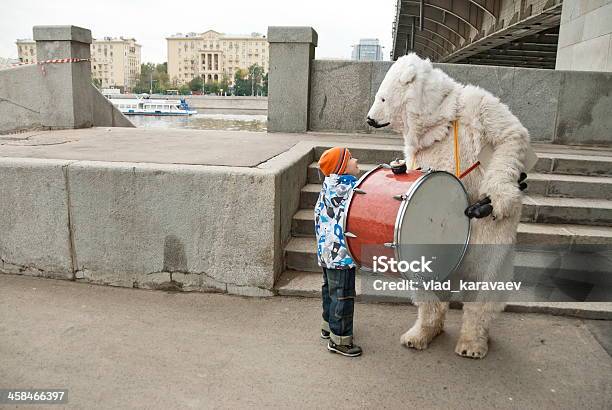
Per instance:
x=339, y=23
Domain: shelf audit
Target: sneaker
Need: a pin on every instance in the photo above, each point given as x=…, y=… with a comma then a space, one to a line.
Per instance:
x=324, y=334
x=345, y=350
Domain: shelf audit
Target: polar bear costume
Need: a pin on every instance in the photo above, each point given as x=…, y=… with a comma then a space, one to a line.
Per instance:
x=423, y=102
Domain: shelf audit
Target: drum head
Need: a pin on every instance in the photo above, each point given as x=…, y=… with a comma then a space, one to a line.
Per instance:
x=432, y=223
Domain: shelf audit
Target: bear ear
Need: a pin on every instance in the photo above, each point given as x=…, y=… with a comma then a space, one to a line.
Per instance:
x=407, y=76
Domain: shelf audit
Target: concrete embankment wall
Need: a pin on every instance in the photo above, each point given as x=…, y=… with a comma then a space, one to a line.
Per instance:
x=556, y=106
x=218, y=104
x=159, y=226
x=31, y=98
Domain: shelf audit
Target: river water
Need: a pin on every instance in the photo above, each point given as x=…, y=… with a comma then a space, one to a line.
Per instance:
x=227, y=122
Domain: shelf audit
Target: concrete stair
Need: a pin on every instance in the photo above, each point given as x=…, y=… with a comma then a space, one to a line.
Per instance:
x=569, y=201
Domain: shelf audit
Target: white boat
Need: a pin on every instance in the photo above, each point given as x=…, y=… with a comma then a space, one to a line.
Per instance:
x=146, y=106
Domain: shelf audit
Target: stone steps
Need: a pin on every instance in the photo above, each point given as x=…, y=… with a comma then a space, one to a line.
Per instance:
x=552, y=158
x=582, y=211
x=528, y=232
x=308, y=284
x=536, y=208
x=300, y=252
x=546, y=184
x=569, y=186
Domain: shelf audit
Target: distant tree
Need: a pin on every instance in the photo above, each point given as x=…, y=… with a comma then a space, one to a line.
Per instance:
x=264, y=85
x=196, y=84
x=184, y=90
x=255, y=76
x=211, y=88
x=96, y=82
x=241, y=83
x=156, y=73
x=224, y=83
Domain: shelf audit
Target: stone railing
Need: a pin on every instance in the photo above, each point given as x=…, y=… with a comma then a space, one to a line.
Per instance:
x=55, y=95
x=564, y=107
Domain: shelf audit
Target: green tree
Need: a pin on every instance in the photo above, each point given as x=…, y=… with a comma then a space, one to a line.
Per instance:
x=211, y=88
x=224, y=83
x=255, y=77
x=96, y=82
x=155, y=73
x=241, y=83
x=264, y=85
x=184, y=90
x=196, y=84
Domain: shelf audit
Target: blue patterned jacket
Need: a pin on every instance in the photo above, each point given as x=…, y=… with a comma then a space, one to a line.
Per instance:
x=329, y=215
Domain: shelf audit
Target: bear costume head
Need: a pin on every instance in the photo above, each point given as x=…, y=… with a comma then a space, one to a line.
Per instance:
x=412, y=89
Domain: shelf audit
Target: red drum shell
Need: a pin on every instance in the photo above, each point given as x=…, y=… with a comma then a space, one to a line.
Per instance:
x=372, y=215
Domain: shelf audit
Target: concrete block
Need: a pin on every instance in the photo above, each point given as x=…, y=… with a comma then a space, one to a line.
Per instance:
x=571, y=32
x=572, y=9
x=53, y=42
x=66, y=97
x=105, y=114
x=34, y=228
x=62, y=33
x=102, y=112
x=137, y=219
x=20, y=110
x=565, y=58
x=585, y=102
x=289, y=78
x=598, y=22
x=291, y=176
x=534, y=97
x=292, y=34
x=591, y=55
x=340, y=95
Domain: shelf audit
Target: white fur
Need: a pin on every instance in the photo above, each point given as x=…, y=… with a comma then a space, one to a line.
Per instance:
x=422, y=101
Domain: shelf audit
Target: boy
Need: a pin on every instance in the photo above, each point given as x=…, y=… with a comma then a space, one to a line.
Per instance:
x=338, y=291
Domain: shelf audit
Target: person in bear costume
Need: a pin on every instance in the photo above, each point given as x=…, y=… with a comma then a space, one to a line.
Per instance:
x=426, y=105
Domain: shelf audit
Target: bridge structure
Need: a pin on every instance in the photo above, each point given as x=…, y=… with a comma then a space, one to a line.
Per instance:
x=518, y=33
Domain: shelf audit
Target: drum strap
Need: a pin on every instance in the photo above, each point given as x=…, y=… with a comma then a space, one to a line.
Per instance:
x=456, y=141
x=458, y=173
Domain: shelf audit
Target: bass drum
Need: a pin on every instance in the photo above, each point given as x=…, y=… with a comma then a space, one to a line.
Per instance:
x=411, y=216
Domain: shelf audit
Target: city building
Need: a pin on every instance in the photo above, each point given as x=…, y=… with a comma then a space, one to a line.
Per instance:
x=26, y=50
x=115, y=62
x=212, y=55
x=368, y=49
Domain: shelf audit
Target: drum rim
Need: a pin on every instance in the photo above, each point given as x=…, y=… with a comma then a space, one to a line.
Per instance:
x=346, y=209
x=402, y=210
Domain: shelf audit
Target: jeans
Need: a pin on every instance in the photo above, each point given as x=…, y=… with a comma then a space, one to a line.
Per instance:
x=338, y=294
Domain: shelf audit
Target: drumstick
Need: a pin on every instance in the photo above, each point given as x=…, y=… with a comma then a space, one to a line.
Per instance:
x=470, y=169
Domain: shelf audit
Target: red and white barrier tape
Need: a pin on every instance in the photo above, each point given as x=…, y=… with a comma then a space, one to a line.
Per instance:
x=54, y=61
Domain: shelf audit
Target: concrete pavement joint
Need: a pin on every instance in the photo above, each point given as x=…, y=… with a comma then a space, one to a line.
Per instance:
x=71, y=242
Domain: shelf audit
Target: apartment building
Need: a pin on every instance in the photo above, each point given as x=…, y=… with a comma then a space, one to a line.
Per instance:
x=115, y=62
x=211, y=55
x=26, y=50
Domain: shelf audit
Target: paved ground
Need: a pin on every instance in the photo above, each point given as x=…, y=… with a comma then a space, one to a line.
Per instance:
x=126, y=348
x=166, y=146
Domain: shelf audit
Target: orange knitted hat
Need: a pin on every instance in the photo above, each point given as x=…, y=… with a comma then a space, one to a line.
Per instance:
x=334, y=161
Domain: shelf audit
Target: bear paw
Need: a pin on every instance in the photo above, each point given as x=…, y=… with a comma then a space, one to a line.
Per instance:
x=474, y=348
x=418, y=337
